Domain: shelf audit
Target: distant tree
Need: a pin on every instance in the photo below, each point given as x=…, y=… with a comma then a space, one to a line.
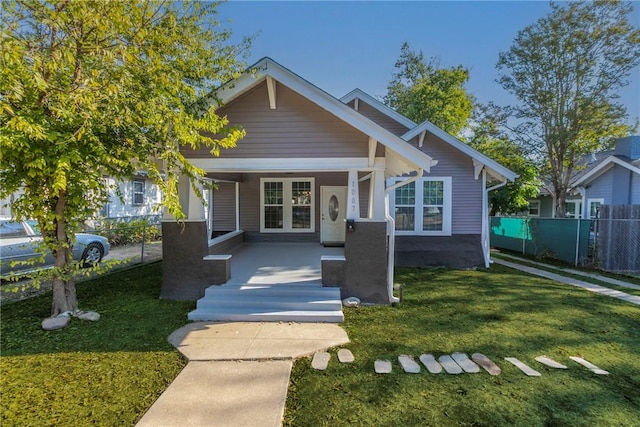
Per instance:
x=488, y=137
x=90, y=89
x=566, y=70
x=421, y=90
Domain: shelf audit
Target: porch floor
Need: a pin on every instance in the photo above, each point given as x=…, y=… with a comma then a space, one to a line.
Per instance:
x=273, y=282
x=276, y=263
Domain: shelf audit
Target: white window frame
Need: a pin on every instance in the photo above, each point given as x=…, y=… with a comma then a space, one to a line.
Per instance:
x=287, y=206
x=134, y=192
x=592, y=201
x=418, y=215
x=533, y=202
x=577, y=211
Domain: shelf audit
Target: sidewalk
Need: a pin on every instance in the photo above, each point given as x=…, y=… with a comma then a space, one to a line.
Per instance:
x=238, y=373
x=570, y=281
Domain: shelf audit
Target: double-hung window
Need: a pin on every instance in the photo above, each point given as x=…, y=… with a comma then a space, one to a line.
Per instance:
x=423, y=207
x=138, y=192
x=287, y=205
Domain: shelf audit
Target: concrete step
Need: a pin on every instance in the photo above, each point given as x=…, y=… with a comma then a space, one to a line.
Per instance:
x=273, y=290
x=267, y=316
x=269, y=303
x=273, y=302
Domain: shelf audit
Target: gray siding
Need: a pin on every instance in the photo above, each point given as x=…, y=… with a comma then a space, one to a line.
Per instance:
x=621, y=185
x=635, y=189
x=224, y=207
x=601, y=188
x=466, y=208
x=296, y=128
x=383, y=120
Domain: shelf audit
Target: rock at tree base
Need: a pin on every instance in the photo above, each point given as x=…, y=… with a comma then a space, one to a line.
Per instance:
x=53, y=323
x=88, y=315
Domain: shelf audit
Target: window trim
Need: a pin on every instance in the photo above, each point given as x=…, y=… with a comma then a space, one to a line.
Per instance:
x=578, y=209
x=134, y=192
x=594, y=200
x=529, y=208
x=447, y=207
x=287, y=204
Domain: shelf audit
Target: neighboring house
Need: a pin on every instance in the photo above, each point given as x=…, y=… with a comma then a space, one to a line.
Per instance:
x=133, y=198
x=410, y=194
x=607, y=178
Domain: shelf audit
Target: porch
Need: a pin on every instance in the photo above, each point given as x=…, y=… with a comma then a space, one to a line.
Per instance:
x=273, y=282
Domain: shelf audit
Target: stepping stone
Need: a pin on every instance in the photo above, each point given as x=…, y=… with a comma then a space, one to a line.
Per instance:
x=465, y=363
x=524, y=368
x=382, y=366
x=550, y=362
x=431, y=363
x=589, y=365
x=450, y=365
x=486, y=363
x=408, y=364
x=320, y=360
x=345, y=355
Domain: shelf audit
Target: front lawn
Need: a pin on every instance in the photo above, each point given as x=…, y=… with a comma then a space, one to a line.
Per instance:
x=501, y=313
x=104, y=373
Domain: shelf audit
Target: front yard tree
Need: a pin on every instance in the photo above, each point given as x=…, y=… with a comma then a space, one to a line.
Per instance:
x=90, y=89
x=421, y=90
x=486, y=135
x=566, y=71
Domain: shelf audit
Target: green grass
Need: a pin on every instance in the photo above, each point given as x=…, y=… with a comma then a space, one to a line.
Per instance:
x=500, y=313
x=105, y=373
x=558, y=270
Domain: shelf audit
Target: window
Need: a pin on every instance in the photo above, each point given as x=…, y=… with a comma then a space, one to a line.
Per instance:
x=138, y=192
x=287, y=205
x=534, y=208
x=573, y=209
x=423, y=207
x=594, y=207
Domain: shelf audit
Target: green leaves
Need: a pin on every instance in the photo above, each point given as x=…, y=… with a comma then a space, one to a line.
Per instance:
x=421, y=90
x=93, y=89
x=566, y=70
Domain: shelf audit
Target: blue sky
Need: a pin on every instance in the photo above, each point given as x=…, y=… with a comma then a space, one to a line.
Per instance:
x=341, y=45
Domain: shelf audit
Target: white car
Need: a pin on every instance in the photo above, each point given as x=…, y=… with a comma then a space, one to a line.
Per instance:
x=20, y=241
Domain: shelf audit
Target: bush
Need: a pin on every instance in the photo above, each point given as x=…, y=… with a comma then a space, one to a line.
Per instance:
x=126, y=232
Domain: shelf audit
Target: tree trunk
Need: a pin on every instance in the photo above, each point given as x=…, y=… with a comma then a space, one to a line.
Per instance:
x=64, y=288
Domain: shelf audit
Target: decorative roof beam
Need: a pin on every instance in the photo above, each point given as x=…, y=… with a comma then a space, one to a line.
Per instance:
x=356, y=104
x=421, y=139
x=271, y=88
x=373, y=144
x=477, y=169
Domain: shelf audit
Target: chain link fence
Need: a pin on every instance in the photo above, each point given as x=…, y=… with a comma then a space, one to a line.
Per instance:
x=133, y=239
x=609, y=244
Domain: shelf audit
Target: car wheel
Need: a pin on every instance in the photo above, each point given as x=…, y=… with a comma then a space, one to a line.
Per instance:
x=92, y=254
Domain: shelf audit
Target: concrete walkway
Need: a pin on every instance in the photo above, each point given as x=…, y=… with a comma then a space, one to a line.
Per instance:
x=570, y=281
x=238, y=373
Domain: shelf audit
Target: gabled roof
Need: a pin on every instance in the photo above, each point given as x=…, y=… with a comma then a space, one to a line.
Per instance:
x=371, y=101
x=495, y=168
x=267, y=67
x=604, y=166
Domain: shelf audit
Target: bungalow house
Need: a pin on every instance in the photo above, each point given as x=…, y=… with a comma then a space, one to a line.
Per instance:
x=605, y=178
x=338, y=172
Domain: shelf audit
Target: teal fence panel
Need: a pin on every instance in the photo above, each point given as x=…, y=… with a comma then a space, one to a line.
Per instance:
x=558, y=238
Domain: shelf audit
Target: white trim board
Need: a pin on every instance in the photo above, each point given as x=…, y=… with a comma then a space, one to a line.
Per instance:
x=298, y=164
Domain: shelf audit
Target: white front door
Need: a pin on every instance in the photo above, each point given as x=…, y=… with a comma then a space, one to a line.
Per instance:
x=333, y=207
